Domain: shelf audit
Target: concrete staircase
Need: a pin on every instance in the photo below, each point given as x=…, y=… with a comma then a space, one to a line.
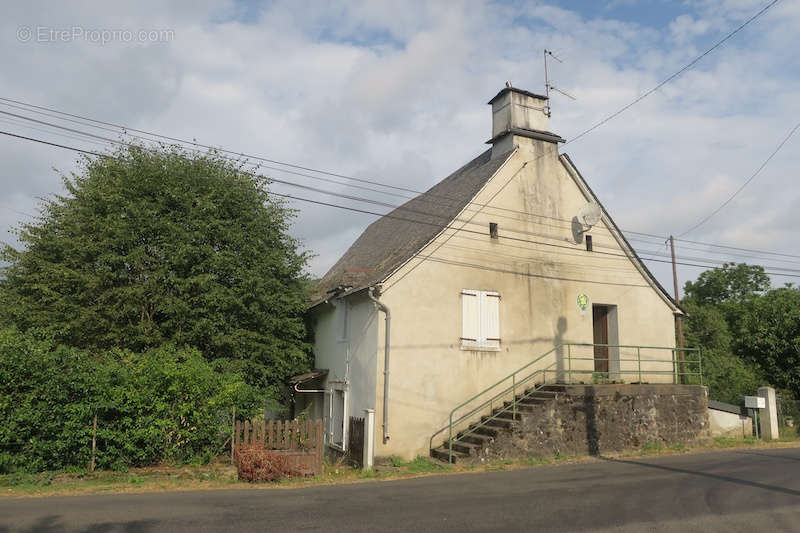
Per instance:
x=470, y=444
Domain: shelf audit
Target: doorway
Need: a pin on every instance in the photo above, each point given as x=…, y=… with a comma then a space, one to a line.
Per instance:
x=600, y=315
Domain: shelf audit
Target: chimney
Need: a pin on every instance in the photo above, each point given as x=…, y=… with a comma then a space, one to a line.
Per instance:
x=518, y=114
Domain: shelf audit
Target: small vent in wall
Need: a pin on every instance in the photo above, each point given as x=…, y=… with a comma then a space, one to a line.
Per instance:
x=588, y=243
x=493, y=230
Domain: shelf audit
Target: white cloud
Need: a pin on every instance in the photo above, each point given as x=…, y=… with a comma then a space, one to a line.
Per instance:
x=396, y=92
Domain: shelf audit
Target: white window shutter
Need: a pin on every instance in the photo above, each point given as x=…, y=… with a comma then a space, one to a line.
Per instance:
x=491, y=320
x=470, y=318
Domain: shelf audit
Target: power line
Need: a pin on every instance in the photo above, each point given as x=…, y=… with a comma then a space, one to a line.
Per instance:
x=332, y=193
x=125, y=130
x=17, y=211
x=676, y=74
x=273, y=179
x=740, y=249
x=745, y=184
x=361, y=199
x=478, y=207
x=390, y=215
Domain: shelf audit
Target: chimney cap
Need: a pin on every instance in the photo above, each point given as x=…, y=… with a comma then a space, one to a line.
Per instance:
x=505, y=90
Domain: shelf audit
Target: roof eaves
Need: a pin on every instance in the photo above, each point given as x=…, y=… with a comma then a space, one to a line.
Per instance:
x=533, y=134
x=505, y=90
x=320, y=301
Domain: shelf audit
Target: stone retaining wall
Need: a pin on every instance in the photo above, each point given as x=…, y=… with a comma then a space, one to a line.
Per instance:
x=595, y=419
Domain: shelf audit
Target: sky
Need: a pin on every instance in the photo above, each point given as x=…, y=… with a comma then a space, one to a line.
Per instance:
x=396, y=92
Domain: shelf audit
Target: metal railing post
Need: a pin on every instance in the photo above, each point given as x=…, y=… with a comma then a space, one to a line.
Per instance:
x=450, y=441
x=675, y=366
x=700, y=365
x=514, y=394
x=639, y=362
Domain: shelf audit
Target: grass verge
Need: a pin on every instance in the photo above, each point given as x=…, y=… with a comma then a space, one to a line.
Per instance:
x=221, y=475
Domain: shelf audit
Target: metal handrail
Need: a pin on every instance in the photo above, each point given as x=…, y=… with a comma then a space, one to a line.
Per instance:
x=512, y=406
x=489, y=402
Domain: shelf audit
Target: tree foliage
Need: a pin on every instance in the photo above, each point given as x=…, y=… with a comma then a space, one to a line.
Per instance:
x=149, y=248
x=732, y=283
x=727, y=375
x=769, y=336
x=749, y=333
x=166, y=404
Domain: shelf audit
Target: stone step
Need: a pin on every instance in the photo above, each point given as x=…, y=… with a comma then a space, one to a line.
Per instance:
x=542, y=394
x=488, y=431
x=553, y=388
x=506, y=415
x=523, y=407
x=441, y=453
x=533, y=402
x=476, y=438
x=497, y=422
x=467, y=448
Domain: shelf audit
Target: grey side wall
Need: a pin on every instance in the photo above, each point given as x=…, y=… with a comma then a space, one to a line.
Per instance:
x=348, y=349
x=595, y=419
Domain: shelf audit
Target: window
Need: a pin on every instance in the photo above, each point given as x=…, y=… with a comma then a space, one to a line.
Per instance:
x=493, y=230
x=480, y=323
x=336, y=419
x=588, y=243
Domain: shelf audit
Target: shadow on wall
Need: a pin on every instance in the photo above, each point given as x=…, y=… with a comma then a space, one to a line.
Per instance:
x=558, y=342
x=577, y=230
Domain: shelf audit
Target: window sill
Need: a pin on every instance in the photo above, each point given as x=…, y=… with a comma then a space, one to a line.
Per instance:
x=481, y=348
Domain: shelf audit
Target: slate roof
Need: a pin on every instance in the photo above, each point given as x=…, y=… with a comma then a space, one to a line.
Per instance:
x=394, y=238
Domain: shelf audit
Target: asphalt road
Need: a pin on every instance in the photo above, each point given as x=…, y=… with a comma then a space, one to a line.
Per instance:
x=746, y=490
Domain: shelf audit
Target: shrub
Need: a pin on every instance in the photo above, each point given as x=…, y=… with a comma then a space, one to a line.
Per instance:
x=167, y=404
x=256, y=463
x=47, y=396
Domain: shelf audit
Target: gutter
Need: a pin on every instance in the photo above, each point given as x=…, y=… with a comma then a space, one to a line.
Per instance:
x=386, y=349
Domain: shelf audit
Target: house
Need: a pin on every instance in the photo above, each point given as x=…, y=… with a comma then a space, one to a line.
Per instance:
x=509, y=258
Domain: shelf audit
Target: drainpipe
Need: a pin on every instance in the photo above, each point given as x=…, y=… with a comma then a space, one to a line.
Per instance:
x=385, y=310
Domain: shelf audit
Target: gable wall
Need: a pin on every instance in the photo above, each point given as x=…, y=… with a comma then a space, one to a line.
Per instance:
x=431, y=374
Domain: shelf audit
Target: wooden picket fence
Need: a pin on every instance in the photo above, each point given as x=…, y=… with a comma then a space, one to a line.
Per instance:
x=302, y=443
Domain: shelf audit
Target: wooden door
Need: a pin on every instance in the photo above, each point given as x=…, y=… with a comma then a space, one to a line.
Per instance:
x=600, y=320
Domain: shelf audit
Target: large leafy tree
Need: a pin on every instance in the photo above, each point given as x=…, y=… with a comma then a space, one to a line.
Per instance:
x=155, y=246
x=769, y=335
x=732, y=283
x=750, y=334
x=727, y=375
x=717, y=302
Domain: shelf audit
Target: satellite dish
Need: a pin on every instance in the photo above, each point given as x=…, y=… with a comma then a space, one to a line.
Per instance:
x=589, y=215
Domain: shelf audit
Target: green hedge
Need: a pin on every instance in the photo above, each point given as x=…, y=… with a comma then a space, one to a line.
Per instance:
x=164, y=405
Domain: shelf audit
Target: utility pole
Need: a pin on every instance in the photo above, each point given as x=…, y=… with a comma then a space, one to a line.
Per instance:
x=678, y=317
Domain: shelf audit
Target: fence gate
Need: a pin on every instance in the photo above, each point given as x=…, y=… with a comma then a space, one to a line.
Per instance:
x=300, y=442
x=355, y=442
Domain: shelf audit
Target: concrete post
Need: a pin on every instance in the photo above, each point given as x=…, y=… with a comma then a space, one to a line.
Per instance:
x=369, y=439
x=768, y=415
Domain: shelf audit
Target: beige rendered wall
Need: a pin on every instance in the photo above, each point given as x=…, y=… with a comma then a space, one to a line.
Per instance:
x=725, y=424
x=539, y=286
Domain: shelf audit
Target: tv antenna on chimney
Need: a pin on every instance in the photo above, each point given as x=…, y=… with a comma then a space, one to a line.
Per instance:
x=549, y=86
